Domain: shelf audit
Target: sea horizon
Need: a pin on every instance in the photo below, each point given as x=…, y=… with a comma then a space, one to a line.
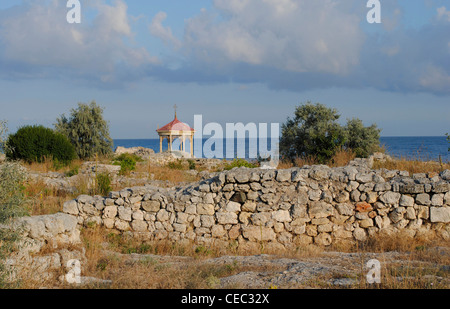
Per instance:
x=409, y=147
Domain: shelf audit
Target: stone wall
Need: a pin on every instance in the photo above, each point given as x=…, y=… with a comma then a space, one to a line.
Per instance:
x=279, y=208
x=47, y=244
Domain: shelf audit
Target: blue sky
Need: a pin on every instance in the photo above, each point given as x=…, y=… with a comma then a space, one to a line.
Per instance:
x=228, y=60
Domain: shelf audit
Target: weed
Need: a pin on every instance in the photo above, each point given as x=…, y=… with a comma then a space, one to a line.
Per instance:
x=176, y=165
x=239, y=163
x=103, y=182
x=127, y=162
x=72, y=171
x=192, y=165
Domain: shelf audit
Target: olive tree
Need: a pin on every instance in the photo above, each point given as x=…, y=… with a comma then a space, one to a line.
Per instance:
x=86, y=130
x=363, y=141
x=313, y=131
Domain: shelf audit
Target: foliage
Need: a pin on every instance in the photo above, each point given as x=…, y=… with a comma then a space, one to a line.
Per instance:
x=72, y=171
x=362, y=140
x=12, y=201
x=314, y=132
x=239, y=163
x=192, y=165
x=175, y=165
x=127, y=162
x=36, y=143
x=103, y=183
x=86, y=130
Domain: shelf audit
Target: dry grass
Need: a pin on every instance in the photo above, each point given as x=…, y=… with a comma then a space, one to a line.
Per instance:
x=175, y=174
x=42, y=200
x=149, y=272
x=412, y=166
x=49, y=165
x=417, y=266
x=420, y=266
x=341, y=158
x=422, y=262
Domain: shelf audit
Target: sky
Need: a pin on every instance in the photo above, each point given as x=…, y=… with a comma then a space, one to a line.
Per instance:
x=249, y=61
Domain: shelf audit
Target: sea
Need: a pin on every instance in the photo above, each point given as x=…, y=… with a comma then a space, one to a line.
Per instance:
x=427, y=148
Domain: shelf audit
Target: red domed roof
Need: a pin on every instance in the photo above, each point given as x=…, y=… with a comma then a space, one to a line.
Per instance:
x=176, y=125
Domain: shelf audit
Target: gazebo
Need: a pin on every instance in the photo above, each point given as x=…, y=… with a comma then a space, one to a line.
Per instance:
x=176, y=129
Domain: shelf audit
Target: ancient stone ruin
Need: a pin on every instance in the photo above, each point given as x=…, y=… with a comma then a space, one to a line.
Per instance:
x=279, y=208
x=250, y=209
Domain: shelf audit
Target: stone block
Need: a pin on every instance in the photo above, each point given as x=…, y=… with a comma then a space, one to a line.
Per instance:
x=258, y=233
x=440, y=214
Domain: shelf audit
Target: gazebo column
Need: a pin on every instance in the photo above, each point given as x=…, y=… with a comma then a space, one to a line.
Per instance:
x=160, y=143
x=191, y=139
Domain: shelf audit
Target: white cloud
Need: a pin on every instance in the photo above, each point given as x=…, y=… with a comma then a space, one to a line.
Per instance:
x=435, y=78
x=296, y=36
x=285, y=44
x=157, y=29
x=35, y=37
x=443, y=14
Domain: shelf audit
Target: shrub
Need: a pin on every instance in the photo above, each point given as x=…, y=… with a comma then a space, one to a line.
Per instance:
x=127, y=162
x=315, y=133
x=363, y=141
x=87, y=130
x=12, y=201
x=72, y=171
x=192, y=165
x=37, y=143
x=103, y=182
x=175, y=165
x=239, y=163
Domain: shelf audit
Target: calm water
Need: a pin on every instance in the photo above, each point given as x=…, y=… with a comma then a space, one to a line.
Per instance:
x=429, y=148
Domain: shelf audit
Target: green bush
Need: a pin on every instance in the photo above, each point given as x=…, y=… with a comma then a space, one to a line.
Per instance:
x=314, y=132
x=103, y=183
x=73, y=171
x=192, y=165
x=176, y=165
x=36, y=143
x=127, y=162
x=363, y=141
x=239, y=163
x=12, y=201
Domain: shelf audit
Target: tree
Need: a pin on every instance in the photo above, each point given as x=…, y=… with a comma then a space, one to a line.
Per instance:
x=86, y=130
x=362, y=140
x=35, y=143
x=313, y=131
